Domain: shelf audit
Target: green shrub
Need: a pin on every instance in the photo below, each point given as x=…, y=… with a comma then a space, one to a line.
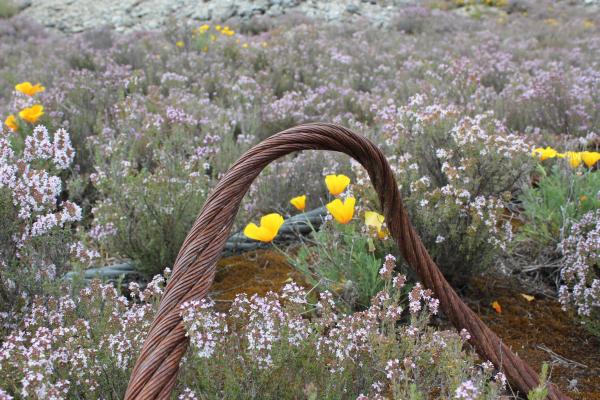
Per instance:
x=7, y=9
x=540, y=392
x=150, y=194
x=31, y=269
x=580, y=270
x=343, y=260
x=147, y=216
x=283, y=346
x=560, y=197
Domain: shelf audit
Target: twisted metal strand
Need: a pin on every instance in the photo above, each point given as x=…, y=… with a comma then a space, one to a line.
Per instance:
x=155, y=372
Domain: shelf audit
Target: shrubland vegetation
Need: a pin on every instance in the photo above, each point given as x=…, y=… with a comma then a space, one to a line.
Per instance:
x=112, y=154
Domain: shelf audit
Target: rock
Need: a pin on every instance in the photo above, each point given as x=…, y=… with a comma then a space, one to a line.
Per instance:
x=131, y=15
x=352, y=9
x=477, y=10
x=21, y=4
x=250, y=9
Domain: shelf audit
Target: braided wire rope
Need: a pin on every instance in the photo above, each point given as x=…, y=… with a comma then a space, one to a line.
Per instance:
x=155, y=372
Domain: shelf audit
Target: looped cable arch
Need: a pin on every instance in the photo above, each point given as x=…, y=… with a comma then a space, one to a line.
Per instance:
x=155, y=372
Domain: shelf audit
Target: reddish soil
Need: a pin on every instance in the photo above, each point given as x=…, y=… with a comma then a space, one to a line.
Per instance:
x=539, y=331
x=251, y=273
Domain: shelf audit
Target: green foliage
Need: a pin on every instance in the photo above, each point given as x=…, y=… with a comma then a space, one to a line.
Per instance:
x=160, y=211
x=151, y=201
x=592, y=324
x=540, y=392
x=560, y=197
x=343, y=260
x=7, y=9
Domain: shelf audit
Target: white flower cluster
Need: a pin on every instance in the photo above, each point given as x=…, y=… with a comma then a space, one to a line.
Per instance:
x=262, y=320
x=83, y=254
x=581, y=250
x=188, y=394
x=72, y=346
x=205, y=328
x=35, y=190
x=466, y=391
x=388, y=267
x=417, y=294
x=453, y=170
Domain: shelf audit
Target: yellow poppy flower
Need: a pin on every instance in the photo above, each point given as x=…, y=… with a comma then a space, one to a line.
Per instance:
x=11, y=122
x=245, y=45
x=544, y=154
x=342, y=212
x=299, y=202
x=203, y=28
x=29, y=89
x=266, y=232
x=574, y=159
x=590, y=158
x=336, y=184
x=375, y=220
x=227, y=32
x=180, y=44
x=218, y=27
x=32, y=114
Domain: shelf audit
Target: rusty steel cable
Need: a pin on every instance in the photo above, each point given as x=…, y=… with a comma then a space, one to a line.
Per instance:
x=155, y=372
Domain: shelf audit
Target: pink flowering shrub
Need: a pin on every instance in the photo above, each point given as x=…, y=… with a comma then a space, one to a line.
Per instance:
x=580, y=272
x=78, y=346
x=456, y=174
x=280, y=346
x=36, y=243
x=290, y=344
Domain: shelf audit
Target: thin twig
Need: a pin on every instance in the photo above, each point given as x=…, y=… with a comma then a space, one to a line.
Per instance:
x=560, y=358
